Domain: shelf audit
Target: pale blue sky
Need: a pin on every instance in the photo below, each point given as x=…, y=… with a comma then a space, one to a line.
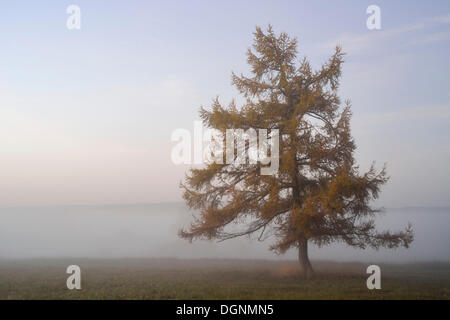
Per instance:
x=86, y=115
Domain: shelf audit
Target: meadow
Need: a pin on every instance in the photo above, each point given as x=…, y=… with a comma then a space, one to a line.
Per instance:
x=218, y=279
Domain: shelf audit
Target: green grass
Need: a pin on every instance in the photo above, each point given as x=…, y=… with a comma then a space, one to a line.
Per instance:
x=218, y=279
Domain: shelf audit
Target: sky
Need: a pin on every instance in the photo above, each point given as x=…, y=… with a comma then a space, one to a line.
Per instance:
x=86, y=115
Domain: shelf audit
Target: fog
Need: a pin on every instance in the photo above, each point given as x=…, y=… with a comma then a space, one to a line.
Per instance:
x=122, y=231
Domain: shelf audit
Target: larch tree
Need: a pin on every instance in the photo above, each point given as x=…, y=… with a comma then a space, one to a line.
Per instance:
x=318, y=194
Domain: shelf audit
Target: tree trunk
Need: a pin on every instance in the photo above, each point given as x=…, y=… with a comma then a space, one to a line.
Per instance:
x=305, y=265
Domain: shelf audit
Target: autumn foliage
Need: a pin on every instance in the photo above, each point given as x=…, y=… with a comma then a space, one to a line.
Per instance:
x=318, y=194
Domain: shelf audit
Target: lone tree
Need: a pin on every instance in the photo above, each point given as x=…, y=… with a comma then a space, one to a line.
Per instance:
x=318, y=194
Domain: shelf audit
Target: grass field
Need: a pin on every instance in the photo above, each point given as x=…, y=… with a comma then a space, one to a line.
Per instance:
x=217, y=279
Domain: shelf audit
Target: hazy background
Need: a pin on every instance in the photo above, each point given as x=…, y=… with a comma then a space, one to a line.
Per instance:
x=86, y=115
x=151, y=231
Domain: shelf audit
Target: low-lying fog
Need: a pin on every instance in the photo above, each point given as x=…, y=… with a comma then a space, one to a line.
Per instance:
x=151, y=231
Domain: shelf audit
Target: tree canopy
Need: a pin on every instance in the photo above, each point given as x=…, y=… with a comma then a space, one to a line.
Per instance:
x=318, y=194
